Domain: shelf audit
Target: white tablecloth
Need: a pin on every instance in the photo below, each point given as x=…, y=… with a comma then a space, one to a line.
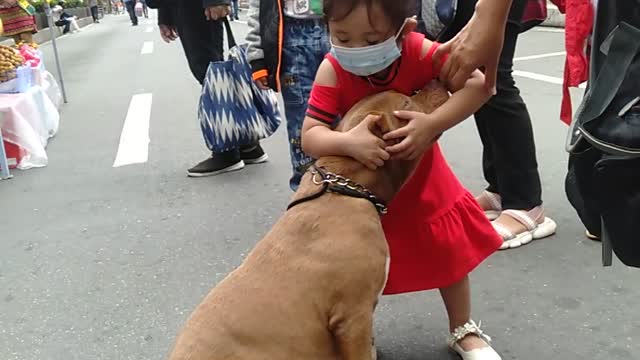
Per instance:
x=30, y=119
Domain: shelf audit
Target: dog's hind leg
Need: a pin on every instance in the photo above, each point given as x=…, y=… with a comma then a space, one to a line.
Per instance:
x=353, y=335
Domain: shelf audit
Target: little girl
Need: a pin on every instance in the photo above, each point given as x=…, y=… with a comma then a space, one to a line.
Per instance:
x=436, y=231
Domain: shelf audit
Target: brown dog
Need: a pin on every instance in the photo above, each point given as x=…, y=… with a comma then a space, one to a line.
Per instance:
x=308, y=289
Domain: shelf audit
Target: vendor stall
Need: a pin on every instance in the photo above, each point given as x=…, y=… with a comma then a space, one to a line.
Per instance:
x=29, y=102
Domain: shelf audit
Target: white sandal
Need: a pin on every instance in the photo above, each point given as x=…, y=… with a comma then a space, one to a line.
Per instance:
x=470, y=328
x=533, y=229
x=496, y=204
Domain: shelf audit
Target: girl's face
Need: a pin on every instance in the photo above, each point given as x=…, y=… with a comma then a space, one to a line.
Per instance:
x=365, y=26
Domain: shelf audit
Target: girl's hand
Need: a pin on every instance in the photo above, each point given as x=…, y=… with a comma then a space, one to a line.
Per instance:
x=365, y=146
x=417, y=135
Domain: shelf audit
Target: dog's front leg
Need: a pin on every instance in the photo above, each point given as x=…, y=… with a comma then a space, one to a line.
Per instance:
x=353, y=334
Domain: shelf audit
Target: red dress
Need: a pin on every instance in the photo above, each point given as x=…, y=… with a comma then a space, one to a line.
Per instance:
x=436, y=231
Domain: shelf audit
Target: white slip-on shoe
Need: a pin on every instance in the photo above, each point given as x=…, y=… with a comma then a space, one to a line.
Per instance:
x=470, y=328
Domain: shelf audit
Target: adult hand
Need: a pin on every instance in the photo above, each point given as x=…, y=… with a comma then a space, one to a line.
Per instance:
x=478, y=45
x=168, y=33
x=217, y=12
x=262, y=83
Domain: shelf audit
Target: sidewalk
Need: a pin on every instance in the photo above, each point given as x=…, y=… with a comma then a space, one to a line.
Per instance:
x=44, y=34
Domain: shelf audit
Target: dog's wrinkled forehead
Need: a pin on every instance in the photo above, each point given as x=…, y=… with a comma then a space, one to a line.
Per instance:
x=382, y=104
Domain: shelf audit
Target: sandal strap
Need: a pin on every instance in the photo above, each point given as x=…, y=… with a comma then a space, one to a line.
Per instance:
x=467, y=329
x=493, y=199
x=523, y=218
x=502, y=230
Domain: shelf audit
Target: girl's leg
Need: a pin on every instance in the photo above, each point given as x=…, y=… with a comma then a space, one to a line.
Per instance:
x=457, y=300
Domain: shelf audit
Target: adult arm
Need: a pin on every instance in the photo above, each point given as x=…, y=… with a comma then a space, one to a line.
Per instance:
x=478, y=45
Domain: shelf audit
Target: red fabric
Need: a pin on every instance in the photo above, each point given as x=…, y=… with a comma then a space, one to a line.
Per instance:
x=578, y=27
x=436, y=231
x=536, y=11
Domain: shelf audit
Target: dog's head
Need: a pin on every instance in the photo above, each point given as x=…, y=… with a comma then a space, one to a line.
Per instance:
x=387, y=180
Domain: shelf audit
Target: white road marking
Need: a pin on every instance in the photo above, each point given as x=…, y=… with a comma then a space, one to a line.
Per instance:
x=548, y=29
x=541, y=56
x=134, y=139
x=240, y=22
x=147, y=48
x=544, y=78
x=149, y=29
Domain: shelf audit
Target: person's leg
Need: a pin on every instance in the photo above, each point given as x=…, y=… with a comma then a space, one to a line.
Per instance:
x=131, y=8
x=235, y=9
x=510, y=162
x=67, y=27
x=457, y=301
x=94, y=13
x=505, y=129
x=305, y=44
x=202, y=41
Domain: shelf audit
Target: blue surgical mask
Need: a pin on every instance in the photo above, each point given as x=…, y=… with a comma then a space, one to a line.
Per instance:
x=368, y=60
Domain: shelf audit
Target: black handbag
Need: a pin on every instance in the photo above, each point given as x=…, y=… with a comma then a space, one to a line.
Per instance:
x=603, y=182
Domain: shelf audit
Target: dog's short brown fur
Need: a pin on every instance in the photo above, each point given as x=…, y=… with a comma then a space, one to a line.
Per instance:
x=308, y=289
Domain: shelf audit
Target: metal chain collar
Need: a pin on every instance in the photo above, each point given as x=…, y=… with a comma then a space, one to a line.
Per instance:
x=320, y=177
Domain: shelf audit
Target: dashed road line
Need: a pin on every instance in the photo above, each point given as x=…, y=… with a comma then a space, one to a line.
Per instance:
x=134, y=139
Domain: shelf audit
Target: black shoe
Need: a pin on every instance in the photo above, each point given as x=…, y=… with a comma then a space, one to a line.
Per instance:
x=217, y=164
x=253, y=155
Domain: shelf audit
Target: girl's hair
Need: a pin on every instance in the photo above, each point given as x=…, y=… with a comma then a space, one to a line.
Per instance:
x=396, y=10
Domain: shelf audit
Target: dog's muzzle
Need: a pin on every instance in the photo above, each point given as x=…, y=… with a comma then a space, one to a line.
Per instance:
x=338, y=184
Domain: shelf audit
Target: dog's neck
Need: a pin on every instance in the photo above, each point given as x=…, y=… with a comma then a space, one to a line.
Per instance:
x=379, y=182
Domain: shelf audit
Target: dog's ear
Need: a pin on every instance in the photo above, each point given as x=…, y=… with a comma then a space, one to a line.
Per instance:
x=386, y=123
x=431, y=97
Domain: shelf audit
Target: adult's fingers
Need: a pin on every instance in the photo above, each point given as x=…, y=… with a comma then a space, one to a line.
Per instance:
x=441, y=51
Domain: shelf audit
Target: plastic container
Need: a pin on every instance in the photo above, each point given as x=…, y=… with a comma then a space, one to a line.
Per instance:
x=22, y=83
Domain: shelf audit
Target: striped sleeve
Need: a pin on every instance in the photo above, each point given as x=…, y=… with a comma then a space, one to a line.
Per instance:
x=323, y=103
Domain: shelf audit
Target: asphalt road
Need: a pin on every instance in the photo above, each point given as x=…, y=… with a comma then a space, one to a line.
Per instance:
x=98, y=262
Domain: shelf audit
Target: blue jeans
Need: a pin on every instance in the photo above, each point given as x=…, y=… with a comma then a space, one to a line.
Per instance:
x=305, y=44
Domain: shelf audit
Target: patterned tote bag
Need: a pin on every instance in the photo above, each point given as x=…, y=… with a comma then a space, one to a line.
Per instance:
x=233, y=111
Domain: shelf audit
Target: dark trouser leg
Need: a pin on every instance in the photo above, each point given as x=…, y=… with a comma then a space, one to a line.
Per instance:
x=131, y=8
x=67, y=27
x=504, y=125
x=202, y=40
x=94, y=13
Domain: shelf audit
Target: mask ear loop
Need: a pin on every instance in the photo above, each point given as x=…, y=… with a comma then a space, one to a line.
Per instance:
x=406, y=21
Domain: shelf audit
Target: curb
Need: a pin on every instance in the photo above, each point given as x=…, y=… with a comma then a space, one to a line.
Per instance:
x=44, y=35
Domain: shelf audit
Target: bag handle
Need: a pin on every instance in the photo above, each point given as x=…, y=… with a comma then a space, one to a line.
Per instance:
x=231, y=41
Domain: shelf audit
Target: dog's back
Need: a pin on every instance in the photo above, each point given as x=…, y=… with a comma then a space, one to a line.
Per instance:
x=321, y=260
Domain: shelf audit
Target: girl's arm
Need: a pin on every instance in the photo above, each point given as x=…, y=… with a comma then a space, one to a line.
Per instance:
x=318, y=139
x=423, y=129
